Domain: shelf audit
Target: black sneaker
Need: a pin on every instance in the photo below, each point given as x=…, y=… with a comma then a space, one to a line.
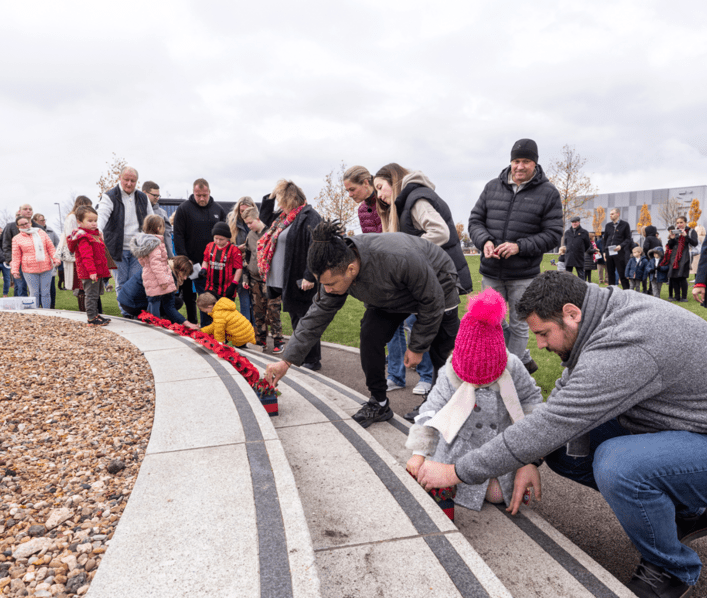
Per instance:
x=531, y=366
x=279, y=348
x=106, y=320
x=411, y=415
x=97, y=321
x=650, y=581
x=691, y=528
x=371, y=413
x=315, y=367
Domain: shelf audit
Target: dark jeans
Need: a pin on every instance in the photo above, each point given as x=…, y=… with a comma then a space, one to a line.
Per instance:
x=189, y=294
x=378, y=327
x=580, y=271
x=617, y=262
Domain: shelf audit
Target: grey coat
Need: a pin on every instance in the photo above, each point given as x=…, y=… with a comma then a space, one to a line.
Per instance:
x=398, y=273
x=635, y=358
x=488, y=419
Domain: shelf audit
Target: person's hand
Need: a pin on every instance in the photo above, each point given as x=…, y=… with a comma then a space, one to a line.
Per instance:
x=190, y=325
x=245, y=286
x=16, y=276
x=526, y=477
x=489, y=248
x=506, y=250
x=275, y=371
x=231, y=290
x=414, y=464
x=56, y=261
x=698, y=293
x=412, y=359
x=306, y=285
x=93, y=277
x=436, y=475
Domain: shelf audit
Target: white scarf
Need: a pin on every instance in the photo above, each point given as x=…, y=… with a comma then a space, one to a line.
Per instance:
x=452, y=416
x=38, y=244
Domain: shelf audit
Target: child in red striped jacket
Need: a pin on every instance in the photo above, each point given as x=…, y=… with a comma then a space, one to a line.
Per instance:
x=223, y=263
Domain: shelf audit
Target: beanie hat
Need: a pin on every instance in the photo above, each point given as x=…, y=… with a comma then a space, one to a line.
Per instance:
x=525, y=148
x=222, y=229
x=479, y=351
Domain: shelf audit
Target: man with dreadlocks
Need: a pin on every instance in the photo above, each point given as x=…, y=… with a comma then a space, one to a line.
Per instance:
x=394, y=275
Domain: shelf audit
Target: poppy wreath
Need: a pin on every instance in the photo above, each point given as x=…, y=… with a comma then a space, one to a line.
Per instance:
x=244, y=367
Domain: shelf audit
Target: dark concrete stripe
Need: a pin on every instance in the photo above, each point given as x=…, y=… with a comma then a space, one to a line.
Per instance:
x=398, y=425
x=457, y=570
x=592, y=584
x=275, y=580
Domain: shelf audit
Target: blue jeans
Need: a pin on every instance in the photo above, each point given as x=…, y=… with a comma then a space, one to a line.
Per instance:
x=162, y=306
x=21, y=286
x=127, y=268
x=39, y=287
x=6, y=279
x=396, y=354
x=647, y=480
x=515, y=331
x=245, y=304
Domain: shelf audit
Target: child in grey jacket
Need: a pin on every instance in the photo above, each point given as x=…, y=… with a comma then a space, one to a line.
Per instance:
x=480, y=392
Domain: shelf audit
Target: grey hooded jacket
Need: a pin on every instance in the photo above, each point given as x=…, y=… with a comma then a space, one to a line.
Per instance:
x=399, y=273
x=636, y=357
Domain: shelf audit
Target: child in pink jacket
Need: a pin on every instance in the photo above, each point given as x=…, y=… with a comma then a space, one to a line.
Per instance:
x=149, y=249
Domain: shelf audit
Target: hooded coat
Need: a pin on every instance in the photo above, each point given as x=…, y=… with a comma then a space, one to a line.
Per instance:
x=423, y=213
x=90, y=253
x=151, y=252
x=228, y=321
x=651, y=241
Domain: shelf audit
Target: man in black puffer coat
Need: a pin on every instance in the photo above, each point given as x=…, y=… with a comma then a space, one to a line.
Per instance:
x=517, y=218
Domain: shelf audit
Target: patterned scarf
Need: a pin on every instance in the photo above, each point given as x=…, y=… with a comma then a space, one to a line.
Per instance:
x=268, y=242
x=666, y=257
x=682, y=241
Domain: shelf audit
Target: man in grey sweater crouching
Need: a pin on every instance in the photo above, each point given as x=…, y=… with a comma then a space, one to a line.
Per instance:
x=631, y=408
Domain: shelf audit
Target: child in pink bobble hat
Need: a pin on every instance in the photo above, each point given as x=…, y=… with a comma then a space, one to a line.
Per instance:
x=480, y=392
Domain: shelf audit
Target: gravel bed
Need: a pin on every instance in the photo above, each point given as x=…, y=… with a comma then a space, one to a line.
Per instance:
x=76, y=411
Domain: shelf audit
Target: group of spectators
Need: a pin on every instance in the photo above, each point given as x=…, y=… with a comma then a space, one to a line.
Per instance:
x=635, y=433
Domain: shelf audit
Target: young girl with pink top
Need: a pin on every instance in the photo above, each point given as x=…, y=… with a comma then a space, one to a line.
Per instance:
x=149, y=248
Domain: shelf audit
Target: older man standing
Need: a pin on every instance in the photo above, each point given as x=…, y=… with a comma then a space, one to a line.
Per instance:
x=8, y=234
x=121, y=212
x=193, y=222
x=152, y=190
x=617, y=242
x=576, y=242
x=517, y=218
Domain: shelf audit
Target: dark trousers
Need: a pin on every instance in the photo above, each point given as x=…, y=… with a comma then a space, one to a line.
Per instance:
x=679, y=285
x=377, y=329
x=617, y=262
x=580, y=271
x=189, y=294
x=315, y=353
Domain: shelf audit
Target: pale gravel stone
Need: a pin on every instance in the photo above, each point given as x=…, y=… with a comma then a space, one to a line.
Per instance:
x=72, y=399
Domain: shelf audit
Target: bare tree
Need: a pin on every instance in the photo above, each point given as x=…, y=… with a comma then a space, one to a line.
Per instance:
x=670, y=209
x=110, y=179
x=333, y=201
x=598, y=221
x=6, y=216
x=575, y=188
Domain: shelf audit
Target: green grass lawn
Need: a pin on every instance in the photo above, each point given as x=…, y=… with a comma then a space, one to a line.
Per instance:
x=346, y=325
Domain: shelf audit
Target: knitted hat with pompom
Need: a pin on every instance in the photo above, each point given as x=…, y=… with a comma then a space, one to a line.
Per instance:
x=479, y=352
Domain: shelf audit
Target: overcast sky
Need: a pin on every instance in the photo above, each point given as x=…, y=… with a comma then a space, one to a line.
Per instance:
x=246, y=93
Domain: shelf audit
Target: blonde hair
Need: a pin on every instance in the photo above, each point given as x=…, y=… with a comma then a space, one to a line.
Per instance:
x=637, y=249
x=234, y=215
x=563, y=250
x=153, y=225
x=393, y=174
x=358, y=175
x=288, y=195
x=206, y=302
x=251, y=213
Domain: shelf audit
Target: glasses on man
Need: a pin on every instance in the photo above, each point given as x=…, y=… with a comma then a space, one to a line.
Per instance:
x=155, y=195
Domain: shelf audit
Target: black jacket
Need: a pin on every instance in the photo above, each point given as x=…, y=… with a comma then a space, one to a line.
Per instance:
x=298, y=241
x=114, y=230
x=399, y=273
x=651, y=241
x=404, y=203
x=617, y=235
x=193, y=225
x=683, y=269
x=576, y=242
x=532, y=218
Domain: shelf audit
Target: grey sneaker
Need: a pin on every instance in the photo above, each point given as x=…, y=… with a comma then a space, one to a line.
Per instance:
x=650, y=581
x=422, y=388
x=393, y=386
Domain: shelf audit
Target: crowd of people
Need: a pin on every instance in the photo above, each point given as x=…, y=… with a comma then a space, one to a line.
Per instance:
x=637, y=433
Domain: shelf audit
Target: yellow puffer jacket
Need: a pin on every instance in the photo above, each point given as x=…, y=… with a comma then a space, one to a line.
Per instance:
x=229, y=321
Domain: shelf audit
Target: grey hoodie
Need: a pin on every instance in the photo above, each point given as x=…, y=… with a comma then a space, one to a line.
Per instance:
x=636, y=357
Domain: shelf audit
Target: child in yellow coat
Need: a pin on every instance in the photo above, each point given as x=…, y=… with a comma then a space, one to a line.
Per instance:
x=227, y=321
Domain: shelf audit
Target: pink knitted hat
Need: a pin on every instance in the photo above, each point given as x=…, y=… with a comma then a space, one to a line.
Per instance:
x=480, y=352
